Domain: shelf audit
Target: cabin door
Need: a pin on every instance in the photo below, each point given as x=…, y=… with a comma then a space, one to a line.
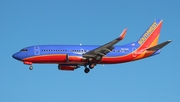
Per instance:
x=134, y=52
x=36, y=50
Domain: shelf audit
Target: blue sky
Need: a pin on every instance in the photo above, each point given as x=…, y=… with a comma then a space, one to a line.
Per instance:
x=96, y=22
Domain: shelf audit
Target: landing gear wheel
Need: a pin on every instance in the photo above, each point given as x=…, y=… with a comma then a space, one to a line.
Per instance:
x=86, y=70
x=31, y=68
x=91, y=66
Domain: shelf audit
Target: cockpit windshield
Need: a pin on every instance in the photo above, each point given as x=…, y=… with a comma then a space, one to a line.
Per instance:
x=24, y=50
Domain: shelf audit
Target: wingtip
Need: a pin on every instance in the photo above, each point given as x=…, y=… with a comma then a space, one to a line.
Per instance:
x=169, y=40
x=122, y=35
x=125, y=29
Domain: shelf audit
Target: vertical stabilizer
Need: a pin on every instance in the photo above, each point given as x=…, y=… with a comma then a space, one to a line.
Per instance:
x=151, y=36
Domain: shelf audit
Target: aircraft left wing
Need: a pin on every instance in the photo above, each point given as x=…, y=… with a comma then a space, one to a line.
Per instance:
x=101, y=51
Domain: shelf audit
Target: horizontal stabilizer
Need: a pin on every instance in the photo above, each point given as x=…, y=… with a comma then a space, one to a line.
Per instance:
x=159, y=46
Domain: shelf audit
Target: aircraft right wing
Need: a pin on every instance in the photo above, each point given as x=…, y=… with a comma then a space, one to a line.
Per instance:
x=101, y=51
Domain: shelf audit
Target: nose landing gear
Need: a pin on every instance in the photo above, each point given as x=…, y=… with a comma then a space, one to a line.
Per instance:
x=30, y=67
x=29, y=63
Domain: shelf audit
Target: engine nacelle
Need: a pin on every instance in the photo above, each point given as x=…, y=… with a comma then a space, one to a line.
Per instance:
x=67, y=67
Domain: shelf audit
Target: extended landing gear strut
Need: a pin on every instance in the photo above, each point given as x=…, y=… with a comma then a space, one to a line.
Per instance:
x=30, y=67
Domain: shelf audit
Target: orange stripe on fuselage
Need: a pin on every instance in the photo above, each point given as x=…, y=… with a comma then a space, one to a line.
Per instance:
x=140, y=56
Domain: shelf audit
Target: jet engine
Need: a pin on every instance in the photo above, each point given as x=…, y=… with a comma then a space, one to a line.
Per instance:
x=67, y=67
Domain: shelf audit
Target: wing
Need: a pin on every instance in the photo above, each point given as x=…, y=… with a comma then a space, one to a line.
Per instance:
x=101, y=51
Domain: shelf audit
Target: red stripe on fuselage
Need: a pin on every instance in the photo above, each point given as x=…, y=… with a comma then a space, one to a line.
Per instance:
x=54, y=58
x=61, y=59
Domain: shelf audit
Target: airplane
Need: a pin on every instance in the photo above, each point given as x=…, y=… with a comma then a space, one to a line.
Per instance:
x=71, y=57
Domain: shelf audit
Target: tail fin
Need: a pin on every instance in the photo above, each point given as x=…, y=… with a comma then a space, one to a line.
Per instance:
x=151, y=36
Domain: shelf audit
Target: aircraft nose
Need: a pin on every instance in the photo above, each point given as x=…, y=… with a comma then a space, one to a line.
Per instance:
x=16, y=56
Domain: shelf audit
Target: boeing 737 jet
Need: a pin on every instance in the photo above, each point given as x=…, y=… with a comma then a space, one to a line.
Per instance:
x=71, y=57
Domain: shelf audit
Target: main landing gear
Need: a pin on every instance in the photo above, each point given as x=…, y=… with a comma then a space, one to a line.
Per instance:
x=91, y=66
x=86, y=70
